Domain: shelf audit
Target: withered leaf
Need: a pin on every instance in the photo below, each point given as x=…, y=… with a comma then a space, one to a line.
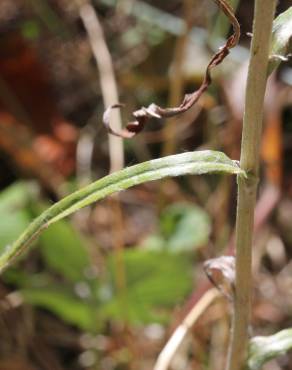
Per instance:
x=221, y=272
x=143, y=114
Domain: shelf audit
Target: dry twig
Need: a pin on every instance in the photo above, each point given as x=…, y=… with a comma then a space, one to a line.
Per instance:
x=107, y=77
x=183, y=329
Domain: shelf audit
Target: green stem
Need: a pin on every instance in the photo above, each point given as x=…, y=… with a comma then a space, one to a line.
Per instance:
x=247, y=188
x=192, y=163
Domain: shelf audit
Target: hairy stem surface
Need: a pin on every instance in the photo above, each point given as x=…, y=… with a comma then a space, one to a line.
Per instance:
x=247, y=188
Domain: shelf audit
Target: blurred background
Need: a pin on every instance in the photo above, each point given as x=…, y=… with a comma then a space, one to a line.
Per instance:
x=105, y=289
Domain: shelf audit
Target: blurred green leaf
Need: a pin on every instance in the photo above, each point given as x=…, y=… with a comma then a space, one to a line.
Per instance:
x=182, y=228
x=15, y=213
x=43, y=290
x=64, y=251
x=281, y=39
x=14, y=197
x=263, y=349
x=72, y=310
x=25, y=280
x=185, y=227
x=156, y=281
x=62, y=247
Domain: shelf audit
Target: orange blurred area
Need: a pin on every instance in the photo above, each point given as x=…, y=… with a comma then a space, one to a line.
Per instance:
x=26, y=99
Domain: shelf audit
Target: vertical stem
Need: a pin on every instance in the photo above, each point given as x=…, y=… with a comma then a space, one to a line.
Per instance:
x=107, y=78
x=116, y=147
x=247, y=188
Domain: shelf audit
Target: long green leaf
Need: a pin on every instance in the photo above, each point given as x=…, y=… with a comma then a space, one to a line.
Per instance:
x=192, y=163
x=263, y=349
x=281, y=39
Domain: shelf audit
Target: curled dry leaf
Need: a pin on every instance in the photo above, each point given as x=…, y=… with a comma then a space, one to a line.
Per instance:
x=143, y=114
x=221, y=272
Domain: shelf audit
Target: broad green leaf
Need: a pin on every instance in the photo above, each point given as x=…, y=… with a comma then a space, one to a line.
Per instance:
x=42, y=290
x=192, y=163
x=58, y=244
x=14, y=197
x=263, y=349
x=14, y=212
x=281, y=39
x=155, y=282
x=72, y=310
x=64, y=251
x=11, y=226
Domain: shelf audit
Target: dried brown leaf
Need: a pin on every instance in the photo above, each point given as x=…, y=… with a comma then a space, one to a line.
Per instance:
x=221, y=272
x=143, y=114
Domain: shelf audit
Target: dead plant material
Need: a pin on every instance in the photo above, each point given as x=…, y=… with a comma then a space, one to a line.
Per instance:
x=143, y=114
x=221, y=273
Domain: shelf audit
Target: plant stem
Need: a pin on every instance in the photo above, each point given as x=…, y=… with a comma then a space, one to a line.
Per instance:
x=107, y=78
x=247, y=188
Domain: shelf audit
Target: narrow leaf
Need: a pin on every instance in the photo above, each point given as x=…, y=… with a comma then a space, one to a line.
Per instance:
x=192, y=163
x=263, y=349
x=281, y=39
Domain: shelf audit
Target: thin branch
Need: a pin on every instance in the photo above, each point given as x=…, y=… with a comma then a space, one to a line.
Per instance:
x=154, y=111
x=176, y=340
x=116, y=150
x=107, y=78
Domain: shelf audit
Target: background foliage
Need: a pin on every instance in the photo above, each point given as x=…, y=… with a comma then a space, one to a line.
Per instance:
x=105, y=288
